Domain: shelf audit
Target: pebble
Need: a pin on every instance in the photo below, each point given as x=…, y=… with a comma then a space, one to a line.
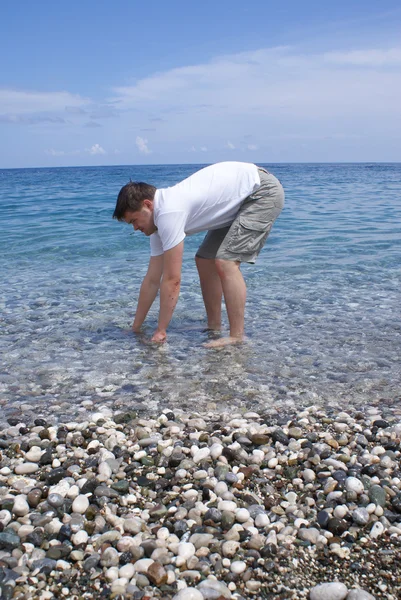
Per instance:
x=80, y=504
x=26, y=468
x=329, y=591
x=189, y=593
x=359, y=595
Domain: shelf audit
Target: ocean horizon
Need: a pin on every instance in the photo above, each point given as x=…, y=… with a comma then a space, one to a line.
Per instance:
x=322, y=315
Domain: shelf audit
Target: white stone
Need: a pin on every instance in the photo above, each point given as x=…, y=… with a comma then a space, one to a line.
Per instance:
x=73, y=492
x=60, y=488
x=26, y=468
x=105, y=470
x=230, y=548
x=143, y=564
x=242, y=515
x=220, y=488
x=227, y=505
x=309, y=475
x=127, y=571
x=190, y=495
x=81, y=537
x=262, y=520
x=340, y=511
x=329, y=591
x=80, y=504
x=311, y=535
x=25, y=530
x=216, y=451
x=189, y=593
x=133, y=525
x=201, y=455
x=34, y=454
x=186, y=550
x=238, y=566
x=211, y=589
x=111, y=574
x=21, y=506
x=377, y=530
x=359, y=595
x=352, y=484
x=5, y=517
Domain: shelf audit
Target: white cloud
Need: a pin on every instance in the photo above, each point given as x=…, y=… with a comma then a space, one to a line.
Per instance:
x=203, y=149
x=252, y=147
x=142, y=145
x=230, y=146
x=193, y=149
x=97, y=149
x=53, y=152
x=366, y=58
x=17, y=102
x=277, y=83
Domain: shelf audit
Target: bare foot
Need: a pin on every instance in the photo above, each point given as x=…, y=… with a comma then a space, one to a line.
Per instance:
x=227, y=341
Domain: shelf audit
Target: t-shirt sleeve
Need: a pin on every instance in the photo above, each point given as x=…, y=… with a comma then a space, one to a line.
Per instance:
x=171, y=229
x=156, y=247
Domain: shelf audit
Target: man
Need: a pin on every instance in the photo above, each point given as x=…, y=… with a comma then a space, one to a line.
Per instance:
x=237, y=203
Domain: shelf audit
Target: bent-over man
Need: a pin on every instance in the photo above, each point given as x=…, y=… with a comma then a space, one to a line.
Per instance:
x=237, y=204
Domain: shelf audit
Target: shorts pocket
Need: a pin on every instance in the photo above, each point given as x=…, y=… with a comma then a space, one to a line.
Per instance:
x=247, y=235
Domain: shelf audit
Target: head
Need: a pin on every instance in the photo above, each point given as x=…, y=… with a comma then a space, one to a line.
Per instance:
x=135, y=206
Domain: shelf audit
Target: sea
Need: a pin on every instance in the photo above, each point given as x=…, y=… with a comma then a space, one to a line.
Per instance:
x=322, y=322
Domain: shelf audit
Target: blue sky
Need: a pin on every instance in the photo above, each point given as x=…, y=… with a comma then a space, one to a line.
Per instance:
x=133, y=82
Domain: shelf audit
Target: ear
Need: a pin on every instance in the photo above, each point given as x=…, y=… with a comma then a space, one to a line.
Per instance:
x=148, y=204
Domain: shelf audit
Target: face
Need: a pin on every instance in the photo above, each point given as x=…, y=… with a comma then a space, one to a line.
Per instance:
x=142, y=219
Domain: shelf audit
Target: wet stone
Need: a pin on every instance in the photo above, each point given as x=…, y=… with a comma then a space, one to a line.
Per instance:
x=279, y=436
x=34, y=497
x=9, y=541
x=377, y=495
x=58, y=552
x=337, y=526
x=45, y=565
x=381, y=424
x=46, y=458
x=213, y=514
x=91, y=562
x=121, y=486
x=55, y=476
x=396, y=503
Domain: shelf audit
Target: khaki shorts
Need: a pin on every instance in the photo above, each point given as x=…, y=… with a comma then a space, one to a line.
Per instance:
x=245, y=237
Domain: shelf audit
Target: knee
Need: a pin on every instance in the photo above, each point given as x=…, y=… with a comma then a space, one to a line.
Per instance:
x=225, y=268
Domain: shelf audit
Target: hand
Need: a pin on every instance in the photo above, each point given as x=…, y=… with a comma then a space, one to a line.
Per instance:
x=159, y=336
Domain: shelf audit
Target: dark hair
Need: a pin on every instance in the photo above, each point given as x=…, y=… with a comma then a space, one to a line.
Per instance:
x=131, y=197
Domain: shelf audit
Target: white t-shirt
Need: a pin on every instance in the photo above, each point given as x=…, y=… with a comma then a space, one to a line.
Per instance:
x=208, y=199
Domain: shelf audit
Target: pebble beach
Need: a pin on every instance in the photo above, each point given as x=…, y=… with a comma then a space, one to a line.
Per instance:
x=191, y=506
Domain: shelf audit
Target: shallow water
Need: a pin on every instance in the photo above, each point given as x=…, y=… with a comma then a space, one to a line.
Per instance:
x=322, y=312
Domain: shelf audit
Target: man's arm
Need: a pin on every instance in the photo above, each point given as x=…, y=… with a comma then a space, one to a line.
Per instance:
x=149, y=288
x=169, y=289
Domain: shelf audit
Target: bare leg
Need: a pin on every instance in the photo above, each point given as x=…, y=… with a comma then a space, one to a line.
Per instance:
x=234, y=290
x=212, y=291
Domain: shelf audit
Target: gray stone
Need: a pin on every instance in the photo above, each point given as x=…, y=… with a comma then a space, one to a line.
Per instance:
x=9, y=541
x=329, y=591
x=377, y=495
x=359, y=595
x=360, y=516
x=212, y=589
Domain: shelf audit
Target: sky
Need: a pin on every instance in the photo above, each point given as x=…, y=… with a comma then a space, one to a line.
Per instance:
x=95, y=82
